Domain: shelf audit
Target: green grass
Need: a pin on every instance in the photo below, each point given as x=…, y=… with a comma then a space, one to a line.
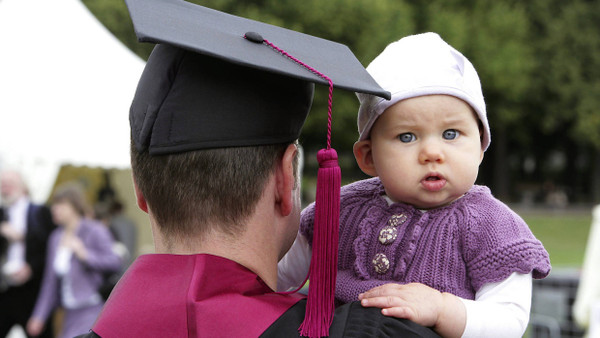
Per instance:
x=564, y=234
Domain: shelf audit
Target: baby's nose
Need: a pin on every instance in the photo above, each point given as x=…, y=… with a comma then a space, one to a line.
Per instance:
x=431, y=151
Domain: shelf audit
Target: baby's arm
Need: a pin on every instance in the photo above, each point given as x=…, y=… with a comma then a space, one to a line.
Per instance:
x=293, y=268
x=499, y=310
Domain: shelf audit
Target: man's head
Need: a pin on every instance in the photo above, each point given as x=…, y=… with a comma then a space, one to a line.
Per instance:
x=207, y=135
x=199, y=191
x=12, y=187
x=227, y=94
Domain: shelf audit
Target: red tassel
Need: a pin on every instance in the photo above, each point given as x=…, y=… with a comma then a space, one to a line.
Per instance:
x=323, y=265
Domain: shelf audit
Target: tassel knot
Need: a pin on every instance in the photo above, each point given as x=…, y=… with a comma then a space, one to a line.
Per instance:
x=327, y=158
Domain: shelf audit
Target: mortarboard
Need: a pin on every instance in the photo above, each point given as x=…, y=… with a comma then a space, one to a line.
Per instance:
x=217, y=80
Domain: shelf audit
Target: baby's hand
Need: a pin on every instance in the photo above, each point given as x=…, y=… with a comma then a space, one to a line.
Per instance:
x=415, y=301
x=421, y=304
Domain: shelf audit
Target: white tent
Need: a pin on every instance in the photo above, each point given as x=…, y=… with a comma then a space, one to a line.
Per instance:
x=66, y=84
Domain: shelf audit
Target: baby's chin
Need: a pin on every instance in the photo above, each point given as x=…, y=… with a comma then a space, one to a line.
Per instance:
x=428, y=205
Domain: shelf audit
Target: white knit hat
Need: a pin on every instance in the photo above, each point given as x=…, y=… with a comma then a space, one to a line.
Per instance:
x=418, y=65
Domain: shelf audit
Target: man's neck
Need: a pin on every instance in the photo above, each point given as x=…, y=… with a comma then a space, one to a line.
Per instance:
x=241, y=249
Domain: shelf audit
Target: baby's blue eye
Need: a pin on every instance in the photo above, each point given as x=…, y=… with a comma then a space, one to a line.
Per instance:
x=407, y=137
x=450, y=134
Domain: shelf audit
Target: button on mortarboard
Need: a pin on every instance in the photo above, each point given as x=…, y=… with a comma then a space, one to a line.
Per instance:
x=254, y=37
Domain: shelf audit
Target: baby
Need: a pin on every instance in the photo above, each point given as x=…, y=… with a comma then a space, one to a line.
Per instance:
x=420, y=240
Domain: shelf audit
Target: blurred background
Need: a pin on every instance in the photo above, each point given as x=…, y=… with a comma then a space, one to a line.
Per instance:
x=539, y=63
x=538, y=60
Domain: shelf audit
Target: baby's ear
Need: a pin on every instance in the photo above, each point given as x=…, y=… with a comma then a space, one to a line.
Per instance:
x=364, y=157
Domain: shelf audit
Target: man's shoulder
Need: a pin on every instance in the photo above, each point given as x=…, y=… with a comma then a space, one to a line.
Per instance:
x=39, y=214
x=150, y=285
x=350, y=320
x=358, y=321
x=36, y=207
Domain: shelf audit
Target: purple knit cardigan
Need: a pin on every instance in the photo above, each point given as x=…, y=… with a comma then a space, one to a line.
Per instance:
x=455, y=248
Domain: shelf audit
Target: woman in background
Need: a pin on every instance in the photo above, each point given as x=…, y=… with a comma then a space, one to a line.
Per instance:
x=79, y=253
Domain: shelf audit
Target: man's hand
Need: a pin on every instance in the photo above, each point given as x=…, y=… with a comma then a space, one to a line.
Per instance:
x=426, y=306
x=21, y=276
x=78, y=247
x=34, y=327
x=10, y=233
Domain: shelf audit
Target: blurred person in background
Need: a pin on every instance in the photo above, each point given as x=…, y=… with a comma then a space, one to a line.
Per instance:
x=24, y=231
x=586, y=309
x=124, y=230
x=80, y=253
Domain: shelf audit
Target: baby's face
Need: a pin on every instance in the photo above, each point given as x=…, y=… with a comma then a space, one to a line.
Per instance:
x=427, y=150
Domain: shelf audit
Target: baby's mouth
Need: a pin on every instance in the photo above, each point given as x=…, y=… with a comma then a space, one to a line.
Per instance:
x=433, y=182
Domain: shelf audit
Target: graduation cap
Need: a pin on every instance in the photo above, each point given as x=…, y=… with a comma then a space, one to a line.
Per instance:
x=218, y=80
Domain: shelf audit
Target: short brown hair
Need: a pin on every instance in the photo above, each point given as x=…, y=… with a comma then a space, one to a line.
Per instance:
x=72, y=193
x=190, y=192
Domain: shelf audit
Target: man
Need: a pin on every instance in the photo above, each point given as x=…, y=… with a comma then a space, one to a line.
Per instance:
x=214, y=160
x=24, y=231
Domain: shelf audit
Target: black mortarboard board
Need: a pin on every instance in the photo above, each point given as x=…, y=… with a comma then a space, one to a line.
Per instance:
x=173, y=113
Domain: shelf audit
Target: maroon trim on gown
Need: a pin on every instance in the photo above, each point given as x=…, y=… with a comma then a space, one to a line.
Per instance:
x=190, y=296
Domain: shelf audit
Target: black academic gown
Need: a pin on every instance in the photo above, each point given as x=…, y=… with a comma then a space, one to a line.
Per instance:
x=350, y=320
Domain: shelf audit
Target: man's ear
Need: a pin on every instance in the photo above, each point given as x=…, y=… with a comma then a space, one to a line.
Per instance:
x=140, y=199
x=285, y=180
x=364, y=157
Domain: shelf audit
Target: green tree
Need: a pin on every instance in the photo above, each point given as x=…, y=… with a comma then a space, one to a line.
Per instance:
x=539, y=63
x=114, y=15
x=568, y=85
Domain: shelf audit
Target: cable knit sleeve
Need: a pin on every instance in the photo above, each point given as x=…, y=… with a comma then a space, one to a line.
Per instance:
x=307, y=220
x=498, y=242
x=293, y=268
